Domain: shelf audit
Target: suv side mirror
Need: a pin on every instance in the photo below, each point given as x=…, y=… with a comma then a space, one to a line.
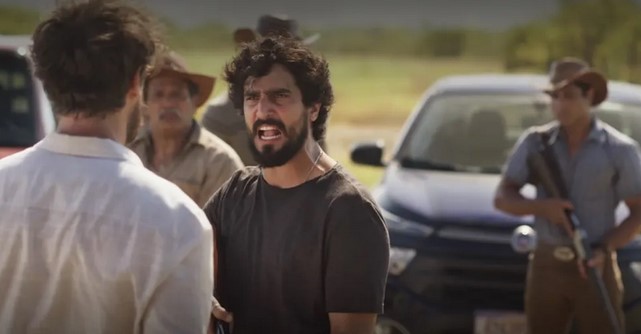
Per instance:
x=368, y=153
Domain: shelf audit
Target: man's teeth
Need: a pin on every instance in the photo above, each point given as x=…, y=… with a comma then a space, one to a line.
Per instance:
x=267, y=132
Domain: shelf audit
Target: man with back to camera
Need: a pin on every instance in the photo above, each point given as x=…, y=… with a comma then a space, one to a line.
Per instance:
x=601, y=167
x=302, y=245
x=93, y=242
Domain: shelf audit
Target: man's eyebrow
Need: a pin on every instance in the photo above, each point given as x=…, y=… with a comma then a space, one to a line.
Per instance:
x=249, y=91
x=279, y=90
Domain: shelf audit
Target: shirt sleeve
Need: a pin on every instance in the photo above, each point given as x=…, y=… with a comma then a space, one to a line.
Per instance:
x=628, y=184
x=221, y=168
x=182, y=302
x=516, y=168
x=357, y=257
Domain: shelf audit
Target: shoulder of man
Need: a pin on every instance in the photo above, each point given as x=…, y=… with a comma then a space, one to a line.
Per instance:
x=217, y=148
x=18, y=158
x=545, y=129
x=221, y=110
x=219, y=100
x=163, y=217
x=535, y=134
x=235, y=188
x=617, y=138
x=138, y=144
x=225, y=124
x=153, y=191
x=347, y=193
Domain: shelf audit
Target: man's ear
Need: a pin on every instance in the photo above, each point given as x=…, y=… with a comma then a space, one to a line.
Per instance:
x=135, y=88
x=314, y=112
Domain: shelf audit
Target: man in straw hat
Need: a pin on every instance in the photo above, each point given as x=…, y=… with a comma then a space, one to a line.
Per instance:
x=220, y=117
x=601, y=167
x=175, y=146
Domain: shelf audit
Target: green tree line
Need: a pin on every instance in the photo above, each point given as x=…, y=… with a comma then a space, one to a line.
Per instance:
x=606, y=33
x=425, y=42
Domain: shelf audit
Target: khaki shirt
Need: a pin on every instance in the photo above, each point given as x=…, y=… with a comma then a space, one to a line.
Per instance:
x=204, y=164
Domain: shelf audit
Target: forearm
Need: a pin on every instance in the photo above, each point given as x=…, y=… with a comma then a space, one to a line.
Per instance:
x=352, y=323
x=624, y=233
x=511, y=201
x=517, y=207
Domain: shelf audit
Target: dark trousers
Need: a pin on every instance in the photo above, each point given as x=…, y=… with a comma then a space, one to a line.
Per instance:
x=556, y=294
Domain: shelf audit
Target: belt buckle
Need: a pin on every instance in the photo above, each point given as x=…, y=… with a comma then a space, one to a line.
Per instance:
x=564, y=253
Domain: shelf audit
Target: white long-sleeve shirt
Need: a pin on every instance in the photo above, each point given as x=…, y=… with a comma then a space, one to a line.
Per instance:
x=93, y=242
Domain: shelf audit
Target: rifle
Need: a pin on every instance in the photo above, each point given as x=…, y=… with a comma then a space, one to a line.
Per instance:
x=545, y=170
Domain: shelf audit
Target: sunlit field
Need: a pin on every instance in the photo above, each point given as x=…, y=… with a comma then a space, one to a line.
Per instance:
x=374, y=95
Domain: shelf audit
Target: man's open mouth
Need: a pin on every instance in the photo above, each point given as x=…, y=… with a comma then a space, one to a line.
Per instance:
x=269, y=132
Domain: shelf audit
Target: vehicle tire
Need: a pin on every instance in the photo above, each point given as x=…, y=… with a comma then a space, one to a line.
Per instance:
x=386, y=325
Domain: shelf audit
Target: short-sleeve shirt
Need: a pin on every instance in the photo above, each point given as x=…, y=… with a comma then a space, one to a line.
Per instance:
x=201, y=167
x=93, y=242
x=605, y=171
x=288, y=257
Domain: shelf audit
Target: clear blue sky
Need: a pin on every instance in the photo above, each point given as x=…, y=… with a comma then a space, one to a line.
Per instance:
x=492, y=14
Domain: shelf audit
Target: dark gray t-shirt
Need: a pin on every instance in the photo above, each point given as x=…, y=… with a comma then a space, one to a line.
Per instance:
x=288, y=257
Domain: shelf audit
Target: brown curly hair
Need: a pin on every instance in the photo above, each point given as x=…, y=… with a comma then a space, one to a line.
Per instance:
x=88, y=53
x=311, y=73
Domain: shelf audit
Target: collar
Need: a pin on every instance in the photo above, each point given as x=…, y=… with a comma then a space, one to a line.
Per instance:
x=597, y=131
x=87, y=147
x=196, y=136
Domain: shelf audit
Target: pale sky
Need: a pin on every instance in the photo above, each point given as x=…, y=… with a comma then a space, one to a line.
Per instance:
x=492, y=14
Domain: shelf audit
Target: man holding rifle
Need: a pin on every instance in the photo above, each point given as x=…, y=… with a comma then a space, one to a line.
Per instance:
x=599, y=167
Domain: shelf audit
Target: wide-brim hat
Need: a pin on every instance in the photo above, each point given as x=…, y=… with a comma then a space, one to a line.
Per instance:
x=174, y=65
x=573, y=70
x=273, y=25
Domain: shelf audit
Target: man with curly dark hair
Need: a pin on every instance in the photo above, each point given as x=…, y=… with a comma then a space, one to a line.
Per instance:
x=302, y=245
x=220, y=116
x=92, y=241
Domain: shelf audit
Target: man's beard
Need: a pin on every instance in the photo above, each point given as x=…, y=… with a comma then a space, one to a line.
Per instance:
x=270, y=157
x=134, y=123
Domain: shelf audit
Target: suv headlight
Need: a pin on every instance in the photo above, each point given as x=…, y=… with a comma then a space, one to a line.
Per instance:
x=399, y=258
x=403, y=226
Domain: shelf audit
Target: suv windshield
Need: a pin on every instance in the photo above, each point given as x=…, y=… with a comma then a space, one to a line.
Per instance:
x=17, y=111
x=476, y=132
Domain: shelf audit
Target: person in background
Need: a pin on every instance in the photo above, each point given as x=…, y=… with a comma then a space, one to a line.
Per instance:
x=601, y=168
x=173, y=145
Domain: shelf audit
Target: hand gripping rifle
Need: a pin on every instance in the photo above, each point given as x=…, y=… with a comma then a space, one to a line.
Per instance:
x=545, y=171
